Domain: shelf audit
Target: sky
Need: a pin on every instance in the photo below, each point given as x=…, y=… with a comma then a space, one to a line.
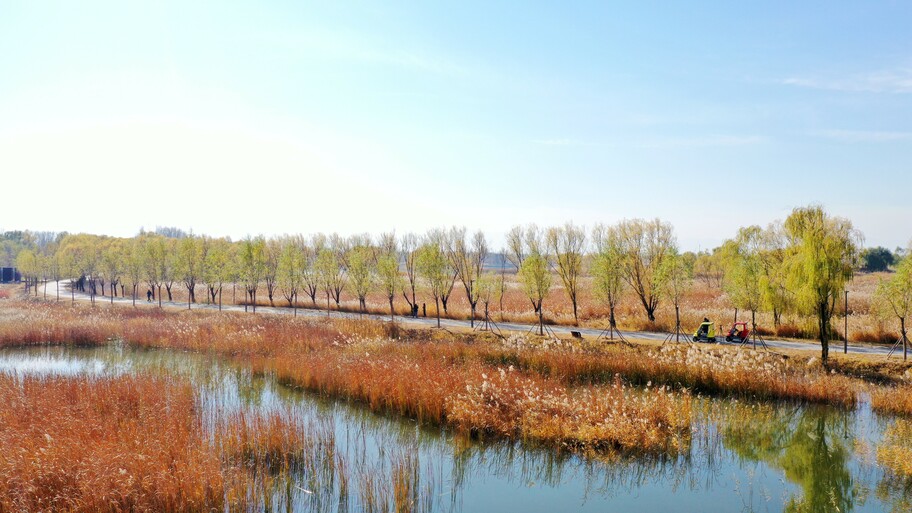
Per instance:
x=240, y=118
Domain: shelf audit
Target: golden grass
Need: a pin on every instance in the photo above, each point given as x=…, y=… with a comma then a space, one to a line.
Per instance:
x=111, y=444
x=897, y=400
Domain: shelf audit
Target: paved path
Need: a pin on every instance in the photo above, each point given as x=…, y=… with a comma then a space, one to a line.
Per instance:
x=430, y=322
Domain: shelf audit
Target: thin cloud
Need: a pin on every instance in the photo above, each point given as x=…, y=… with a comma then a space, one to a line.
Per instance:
x=703, y=141
x=896, y=81
x=859, y=136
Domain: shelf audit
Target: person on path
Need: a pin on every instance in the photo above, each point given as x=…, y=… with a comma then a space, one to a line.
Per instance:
x=149, y=295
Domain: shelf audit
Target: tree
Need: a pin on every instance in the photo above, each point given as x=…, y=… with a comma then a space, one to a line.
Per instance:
x=432, y=266
x=568, y=245
x=288, y=272
x=744, y=270
x=133, y=264
x=487, y=291
x=877, y=259
x=408, y=254
x=155, y=262
x=467, y=263
x=777, y=298
x=606, y=269
x=389, y=277
x=644, y=246
x=27, y=263
x=535, y=276
x=677, y=275
x=218, y=267
x=361, y=271
x=252, y=266
x=894, y=299
x=188, y=264
x=438, y=237
x=708, y=268
x=311, y=279
x=330, y=273
x=270, y=270
x=820, y=260
x=112, y=263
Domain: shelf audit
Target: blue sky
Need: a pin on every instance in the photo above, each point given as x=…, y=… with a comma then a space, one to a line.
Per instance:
x=272, y=117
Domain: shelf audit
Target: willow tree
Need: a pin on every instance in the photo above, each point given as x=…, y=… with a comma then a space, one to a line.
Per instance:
x=820, y=261
x=408, y=254
x=133, y=265
x=467, y=261
x=331, y=274
x=567, y=244
x=644, y=246
x=361, y=273
x=388, y=276
x=111, y=263
x=777, y=298
x=251, y=267
x=289, y=270
x=894, y=299
x=677, y=275
x=188, y=264
x=606, y=269
x=431, y=263
x=219, y=268
x=27, y=264
x=535, y=275
x=744, y=270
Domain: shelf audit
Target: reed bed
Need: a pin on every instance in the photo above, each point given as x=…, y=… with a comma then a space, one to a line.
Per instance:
x=896, y=400
x=715, y=371
x=108, y=444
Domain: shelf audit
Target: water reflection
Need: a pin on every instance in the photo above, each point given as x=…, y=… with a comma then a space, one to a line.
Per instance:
x=742, y=457
x=810, y=445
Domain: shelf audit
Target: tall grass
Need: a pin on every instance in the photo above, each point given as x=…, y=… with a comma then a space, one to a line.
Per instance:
x=110, y=444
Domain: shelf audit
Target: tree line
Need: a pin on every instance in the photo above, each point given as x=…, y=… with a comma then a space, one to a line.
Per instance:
x=799, y=265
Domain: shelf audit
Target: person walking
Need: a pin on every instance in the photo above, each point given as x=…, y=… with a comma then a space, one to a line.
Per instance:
x=149, y=295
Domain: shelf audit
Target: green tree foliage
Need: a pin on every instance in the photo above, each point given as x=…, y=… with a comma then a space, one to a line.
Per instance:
x=331, y=274
x=877, y=259
x=820, y=261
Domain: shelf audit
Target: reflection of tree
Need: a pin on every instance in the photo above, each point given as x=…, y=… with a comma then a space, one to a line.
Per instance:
x=894, y=453
x=808, y=445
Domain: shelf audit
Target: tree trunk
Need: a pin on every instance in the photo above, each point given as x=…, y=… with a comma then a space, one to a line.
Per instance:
x=392, y=315
x=824, y=334
x=134, y=294
x=541, y=321
x=437, y=304
x=575, y=316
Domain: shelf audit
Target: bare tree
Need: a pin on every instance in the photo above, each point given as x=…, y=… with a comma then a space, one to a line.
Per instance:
x=644, y=246
x=606, y=269
x=408, y=251
x=467, y=262
x=568, y=245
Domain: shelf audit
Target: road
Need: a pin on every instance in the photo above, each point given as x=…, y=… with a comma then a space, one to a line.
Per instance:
x=431, y=322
